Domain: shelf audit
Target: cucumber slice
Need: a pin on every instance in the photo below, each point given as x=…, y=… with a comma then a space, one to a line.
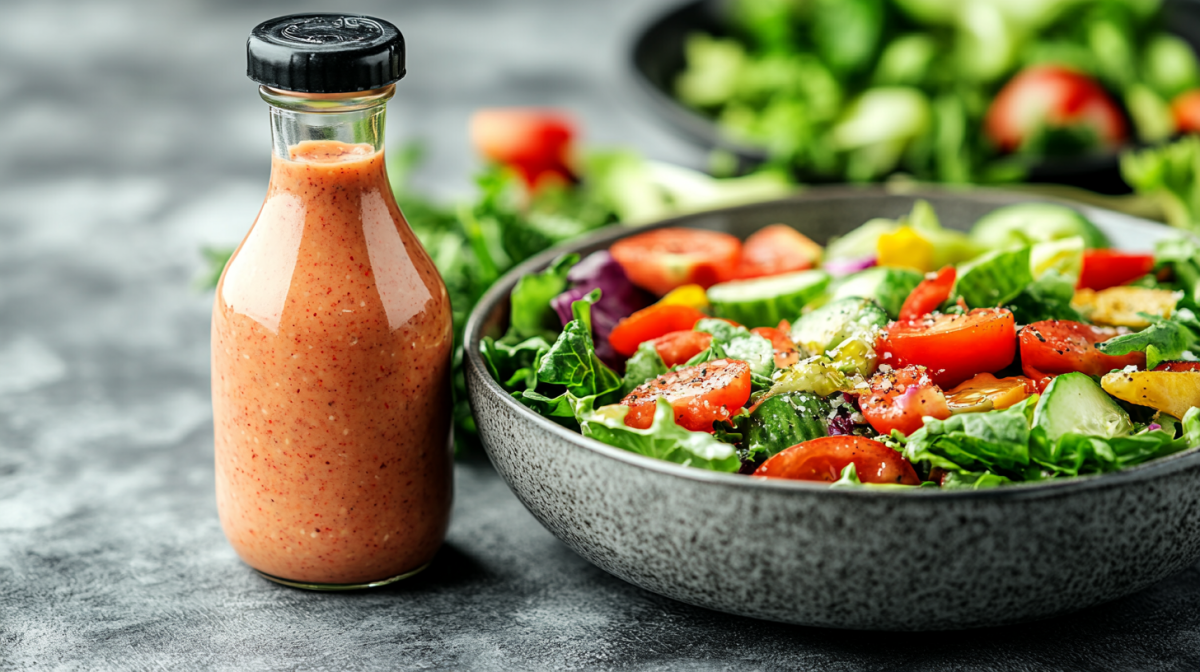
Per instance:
x=828, y=326
x=763, y=302
x=889, y=287
x=1074, y=403
x=784, y=420
x=1027, y=223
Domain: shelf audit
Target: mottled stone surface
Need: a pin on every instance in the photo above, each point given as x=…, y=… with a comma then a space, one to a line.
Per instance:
x=132, y=137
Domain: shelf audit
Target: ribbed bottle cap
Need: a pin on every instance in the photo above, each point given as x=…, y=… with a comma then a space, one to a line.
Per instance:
x=325, y=53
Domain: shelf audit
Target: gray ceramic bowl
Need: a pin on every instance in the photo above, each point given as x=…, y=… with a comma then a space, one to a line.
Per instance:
x=803, y=553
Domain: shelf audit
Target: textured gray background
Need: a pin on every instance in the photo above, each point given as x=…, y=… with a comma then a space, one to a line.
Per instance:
x=131, y=137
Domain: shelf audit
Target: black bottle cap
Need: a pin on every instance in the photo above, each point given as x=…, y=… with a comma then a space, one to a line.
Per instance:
x=325, y=53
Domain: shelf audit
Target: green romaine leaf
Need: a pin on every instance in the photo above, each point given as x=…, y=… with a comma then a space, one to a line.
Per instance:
x=1047, y=298
x=572, y=361
x=664, y=440
x=1164, y=340
x=1076, y=454
x=975, y=442
x=531, y=314
x=994, y=279
x=965, y=480
x=642, y=366
x=514, y=366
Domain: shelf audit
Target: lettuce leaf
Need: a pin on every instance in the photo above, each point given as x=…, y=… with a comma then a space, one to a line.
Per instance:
x=993, y=279
x=664, y=439
x=572, y=361
x=531, y=313
x=514, y=366
x=996, y=441
x=1047, y=298
x=1162, y=341
x=1076, y=454
x=642, y=366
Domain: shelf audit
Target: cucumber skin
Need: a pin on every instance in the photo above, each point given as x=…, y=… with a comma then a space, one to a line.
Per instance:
x=785, y=420
x=766, y=311
x=1013, y=225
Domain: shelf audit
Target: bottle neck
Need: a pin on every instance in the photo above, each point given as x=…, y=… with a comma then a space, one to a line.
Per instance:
x=351, y=118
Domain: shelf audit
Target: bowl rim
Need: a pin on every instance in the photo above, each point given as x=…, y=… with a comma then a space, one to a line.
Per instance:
x=500, y=290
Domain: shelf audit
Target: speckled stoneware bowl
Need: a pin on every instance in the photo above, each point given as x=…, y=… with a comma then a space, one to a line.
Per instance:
x=803, y=553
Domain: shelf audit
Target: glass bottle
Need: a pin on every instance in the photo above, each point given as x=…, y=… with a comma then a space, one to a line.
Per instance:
x=331, y=336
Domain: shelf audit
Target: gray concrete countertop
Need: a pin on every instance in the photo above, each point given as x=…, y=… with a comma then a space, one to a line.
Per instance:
x=131, y=138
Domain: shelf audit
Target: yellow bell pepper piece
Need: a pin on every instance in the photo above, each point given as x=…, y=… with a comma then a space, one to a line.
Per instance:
x=692, y=296
x=906, y=248
x=1171, y=392
x=1119, y=306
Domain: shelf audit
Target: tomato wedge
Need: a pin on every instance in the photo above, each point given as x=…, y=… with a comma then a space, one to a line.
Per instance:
x=664, y=259
x=700, y=395
x=777, y=249
x=1178, y=366
x=536, y=143
x=952, y=347
x=901, y=399
x=931, y=293
x=823, y=460
x=985, y=392
x=1052, y=347
x=1111, y=268
x=649, y=323
x=785, y=350
x=678, y=347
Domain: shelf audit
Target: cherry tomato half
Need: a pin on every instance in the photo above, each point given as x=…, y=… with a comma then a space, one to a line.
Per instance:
x=534, y=142
x=931, y=293
x=1051, y=96
x=785, y=350
x=777, y=249
x=664, y=259
x=678, y=347
x=901, y=399
x=824, y=459
x=1110, y=268
x=952, y=347
x=649, y=323
x=1052, y=347
x=700, y=395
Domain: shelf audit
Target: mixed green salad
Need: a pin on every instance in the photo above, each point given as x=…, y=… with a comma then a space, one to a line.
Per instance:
x=903, y=354
x=945, y=90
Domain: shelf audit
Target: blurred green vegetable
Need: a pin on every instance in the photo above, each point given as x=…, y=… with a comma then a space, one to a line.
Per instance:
x=855, y=90
x=1170, y=174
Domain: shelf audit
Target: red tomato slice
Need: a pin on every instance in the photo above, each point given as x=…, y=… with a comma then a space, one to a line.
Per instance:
x=952, y=347
x=823, y=460
x=901, y=399
x=536, y=143
x=1056, y=97
x=1178, y=366
x=649, y=323
x=678, y=347
x=1110, y=268
x=1185, y=109
x=931, y=293
x=777, y=249
x=785, y=350
x=700, y=395
x=664, y=259
x=1052, y=347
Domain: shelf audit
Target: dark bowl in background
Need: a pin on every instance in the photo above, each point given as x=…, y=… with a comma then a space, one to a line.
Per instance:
x=657, y=57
